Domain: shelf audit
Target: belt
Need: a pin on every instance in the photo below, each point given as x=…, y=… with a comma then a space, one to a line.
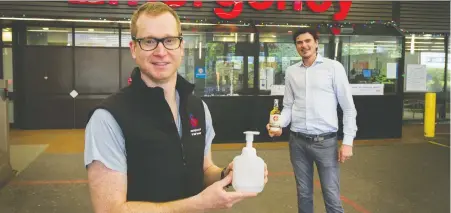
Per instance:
x=314, y=138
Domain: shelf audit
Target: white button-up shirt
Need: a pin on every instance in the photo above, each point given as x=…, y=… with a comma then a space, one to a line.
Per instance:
x=312, y=95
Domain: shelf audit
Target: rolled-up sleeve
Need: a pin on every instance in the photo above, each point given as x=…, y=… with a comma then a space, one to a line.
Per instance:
x=104, y=142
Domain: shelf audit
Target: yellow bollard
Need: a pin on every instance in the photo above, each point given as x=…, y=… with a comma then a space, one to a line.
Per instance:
x=429, y=115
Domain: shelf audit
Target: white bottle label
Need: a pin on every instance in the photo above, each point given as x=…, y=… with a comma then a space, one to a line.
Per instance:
x=274, y=120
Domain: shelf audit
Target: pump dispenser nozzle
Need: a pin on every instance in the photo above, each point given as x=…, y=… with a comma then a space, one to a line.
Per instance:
x=250, y=137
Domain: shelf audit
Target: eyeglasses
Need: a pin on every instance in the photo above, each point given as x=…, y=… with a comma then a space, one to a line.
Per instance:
x=148, y=44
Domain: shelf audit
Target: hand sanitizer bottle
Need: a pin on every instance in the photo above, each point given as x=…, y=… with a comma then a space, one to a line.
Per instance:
x=248, y=168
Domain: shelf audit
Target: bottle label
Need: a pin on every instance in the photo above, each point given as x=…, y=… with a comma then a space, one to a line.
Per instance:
x=274, y=120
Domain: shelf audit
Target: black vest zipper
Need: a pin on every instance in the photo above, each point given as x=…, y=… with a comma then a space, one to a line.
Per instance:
x=181, y=117
x=183, y=153
x=184, y=132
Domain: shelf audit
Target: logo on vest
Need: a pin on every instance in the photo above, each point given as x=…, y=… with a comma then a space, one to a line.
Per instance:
x=194, y=123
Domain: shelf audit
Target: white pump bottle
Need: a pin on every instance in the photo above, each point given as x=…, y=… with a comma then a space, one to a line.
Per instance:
x=248, y=168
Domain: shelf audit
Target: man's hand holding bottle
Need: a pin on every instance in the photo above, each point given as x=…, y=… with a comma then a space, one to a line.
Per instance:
x=216, y=197
x=273, y=131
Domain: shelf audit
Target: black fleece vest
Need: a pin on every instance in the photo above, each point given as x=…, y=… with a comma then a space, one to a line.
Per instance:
x=161, y=166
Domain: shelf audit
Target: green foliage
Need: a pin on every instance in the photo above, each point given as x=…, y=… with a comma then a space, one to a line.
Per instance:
x=381, y=78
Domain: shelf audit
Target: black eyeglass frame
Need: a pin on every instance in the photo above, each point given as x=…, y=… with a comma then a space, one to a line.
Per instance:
x=158, y=42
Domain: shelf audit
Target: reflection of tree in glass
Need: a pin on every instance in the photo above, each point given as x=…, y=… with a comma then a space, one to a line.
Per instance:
x=437, y=81
x=230, y=68
x=250, y=72
x=225, y=64
x=213, y=50
x=189, y=70
x=279, y=51
x=231, y=47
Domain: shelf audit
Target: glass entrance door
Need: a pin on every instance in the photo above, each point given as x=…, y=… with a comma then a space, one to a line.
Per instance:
x=220, y=59
x=229, y=68
x=234, y=70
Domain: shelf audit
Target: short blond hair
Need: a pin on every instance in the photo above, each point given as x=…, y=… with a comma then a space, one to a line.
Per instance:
x=153, y=9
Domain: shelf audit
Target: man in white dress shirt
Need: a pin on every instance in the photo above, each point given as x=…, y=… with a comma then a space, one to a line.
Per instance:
x=313, y=89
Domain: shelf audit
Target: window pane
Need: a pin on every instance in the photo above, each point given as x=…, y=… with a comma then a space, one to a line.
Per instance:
x=192, y=57
x=224, y=67
x=7, y=36
x=277, y=53
x=227, y=69
x=49, y=36
x=429, y=51
x=267, y=67
x=250, y=73
x=213, y=84
x=372, y=60
x=96, y=37
x=280, y=57
x=449, y=68
x=230, y=37
x=125, y=37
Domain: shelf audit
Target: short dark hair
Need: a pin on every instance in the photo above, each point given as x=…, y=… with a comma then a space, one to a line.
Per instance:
x=300, y=31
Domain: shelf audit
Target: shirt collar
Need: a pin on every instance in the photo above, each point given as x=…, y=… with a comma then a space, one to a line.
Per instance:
x=183, y=87
x=319, y=59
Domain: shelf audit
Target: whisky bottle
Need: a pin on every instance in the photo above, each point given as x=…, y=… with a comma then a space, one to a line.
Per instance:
x=274, y=116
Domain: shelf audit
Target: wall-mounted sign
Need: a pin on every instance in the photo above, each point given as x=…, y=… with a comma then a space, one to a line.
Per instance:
x=416, y=78
x=232, y=9
x=200, y=73
x=367, y=89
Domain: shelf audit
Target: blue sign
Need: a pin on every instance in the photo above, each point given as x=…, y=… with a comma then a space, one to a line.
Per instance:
x=200, y=72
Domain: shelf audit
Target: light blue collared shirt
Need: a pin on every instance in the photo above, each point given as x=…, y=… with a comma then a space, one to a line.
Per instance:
x=312, y=95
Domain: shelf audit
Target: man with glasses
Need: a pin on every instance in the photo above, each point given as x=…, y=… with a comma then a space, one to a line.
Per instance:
x=147, y=147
